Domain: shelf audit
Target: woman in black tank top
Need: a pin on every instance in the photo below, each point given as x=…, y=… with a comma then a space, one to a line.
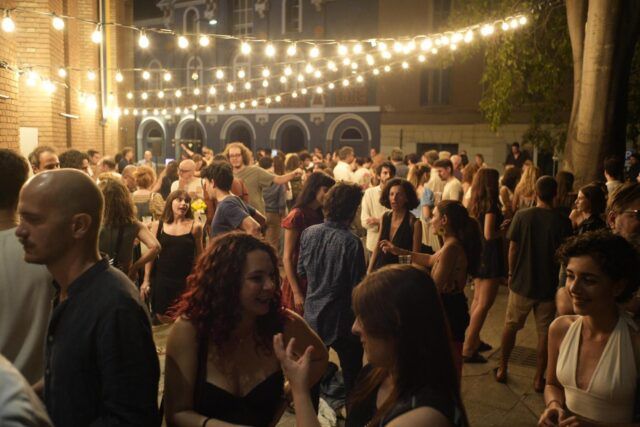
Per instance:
x=221, y=366
x=411, y=376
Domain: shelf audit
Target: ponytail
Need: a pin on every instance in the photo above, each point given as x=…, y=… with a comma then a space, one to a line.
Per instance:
x=466, y=229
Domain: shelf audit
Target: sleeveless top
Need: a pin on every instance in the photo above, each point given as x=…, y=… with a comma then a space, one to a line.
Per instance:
x=610, y=395
x=257, y=408
x=177, y=255
x=361, y=413
x=120, y=252
x=402, y=239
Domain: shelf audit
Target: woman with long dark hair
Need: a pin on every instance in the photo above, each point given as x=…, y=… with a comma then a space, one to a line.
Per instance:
x=306, y=212
x=484, y=206
x=508, y=186
x=181, y=238
x=398, y=226
x=411, y=378
x=450, y=266
x=221, y=368
x=166, y=178
x=120, y=229
x=565, y=197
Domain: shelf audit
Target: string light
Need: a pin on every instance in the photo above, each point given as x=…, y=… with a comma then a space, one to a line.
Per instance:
x=196, y=91
x=294, y=95
x=48, y=86
x=303, y=91
x=319, y=90
x=178, y=93
x=91, y=75
x=523, y=20
x=487, y=30
x=143, y=40
x=96, y=36
x=242, y=105
x=278, y=98
x=267, y=100
x=146, y=75
x=219, y=74
x=345, y=82
x=360, y=79
x=314, y=52
x=342, y=50
x=247, y=86
x=292, y=50
x=129, y=95
x=270, y=51
x=245, y=48
x=119, y=77
x=208, y=109
x=254, y=103
x=265, y=83
x=167, y=76
x=144, y=96
x=57, y=22
x=357, y=49
x=505, y=26
x=204, y=41
x=62, y=73
x=183, y=42
x=160, y=94
x=8, y=25
x=405, y=65
x=288, y=71
x=266, y=72
x=241, y=74
x=230, y=88
x=213, y=91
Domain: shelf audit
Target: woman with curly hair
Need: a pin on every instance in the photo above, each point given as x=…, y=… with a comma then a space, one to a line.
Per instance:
x=120, y=229
x=410, y=379
x=221, y=368
x=181, y=238
x=399, y=226
x=306, y=212
x=524, y=195
x=592, y=373
x=484, y=205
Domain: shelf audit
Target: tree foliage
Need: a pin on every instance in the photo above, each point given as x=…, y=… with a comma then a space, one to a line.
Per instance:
x=527, y=71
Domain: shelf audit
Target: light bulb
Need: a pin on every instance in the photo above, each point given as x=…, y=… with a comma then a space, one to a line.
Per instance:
x=247, y=86
x=505, y=26
x=221, y=107
x=129, y=95
x=357, y=49
x=426, y=44
x=242, y=105
x=382, y=47
x=119, y=77
x=300, y=78
x=514, y=23
x=397, y=47
x=346, y=62
x=178, y=93
x=144, y=96
x=487, y=30
x=155, y=112
x=48, y=86
x=434, y=51
x=265, y=83
x=405, y=65
x=283, y=80
x=196, y=91
x=278, y=98
x=195, y=76
x=126, y=111
x=111, y=98
x=212, y=91
x=332, y=66
x=422, y=58
x=522, y=20
x=8, y=25
x=444, y=40
x=376, y=72
x=208, y=109
x=292, y=50
x=146, y=75
x=332, y=86
x=167, y=76
x=183, y=42
x=163, y=112
x=468, y=36
x=254, y=103
x=288, y=71
x=270, y=51
x=387, y=68
x=456, y=38
x=245, y=48
x=242, y=74
x=204, y=41
x=91, y=75
x=453, y=47
x=82, y=98
x=230, y=88
x=232, y=106
x=308, y=69
x=342, y=50
x=319, y=90
x=294, y=95
x=194, y=107
x=345, y=82
x=145, y=112
x=160, y=94
x=62, y=73
x=178, y=110
x=267, y=100
x=317, y=74
x=354, y=66
x=303, y=91
x=57, y=22
x=314, y=52
x=360, y=79
x=135, y=111
x=143, y=40
x=386, y=54
x=266, y=73
x=370, y=60
x=219, y=74
x=96, y=36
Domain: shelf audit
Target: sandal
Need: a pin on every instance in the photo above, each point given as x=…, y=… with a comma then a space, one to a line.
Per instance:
x=474, y=358
x=484, y=347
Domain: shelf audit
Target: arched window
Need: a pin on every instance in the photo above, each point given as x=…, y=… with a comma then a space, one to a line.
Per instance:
x=194, y=65
x=291, y=16
x=155, y=69
x=242, y=17
x=191, y=21
x=351, y=135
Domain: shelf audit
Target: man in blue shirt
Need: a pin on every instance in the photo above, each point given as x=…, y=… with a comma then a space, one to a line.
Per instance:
x=332, y=260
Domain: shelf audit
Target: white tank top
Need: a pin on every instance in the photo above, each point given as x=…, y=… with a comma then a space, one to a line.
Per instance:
x=610, y=395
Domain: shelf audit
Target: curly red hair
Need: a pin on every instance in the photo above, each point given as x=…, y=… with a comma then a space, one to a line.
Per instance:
x=211, y=301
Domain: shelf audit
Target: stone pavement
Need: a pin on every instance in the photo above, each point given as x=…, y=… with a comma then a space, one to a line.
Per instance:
x=487, y=402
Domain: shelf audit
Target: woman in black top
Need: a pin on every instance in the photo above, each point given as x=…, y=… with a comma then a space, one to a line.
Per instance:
x=484, y=205
x=168, y=175
x=221, y=368
x=410, y=379
x=399, y=226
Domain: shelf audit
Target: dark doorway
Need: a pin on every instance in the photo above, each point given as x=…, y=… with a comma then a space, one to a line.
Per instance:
x=292, y=140
x=192, y=136
x=241, y=134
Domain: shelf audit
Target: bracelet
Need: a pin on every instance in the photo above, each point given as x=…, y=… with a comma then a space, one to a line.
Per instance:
x=555, y=400
x=204, y=423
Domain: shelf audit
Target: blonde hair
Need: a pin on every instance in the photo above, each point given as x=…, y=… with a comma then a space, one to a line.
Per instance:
x=527, y=185
x=246, y=153
x=419, y=174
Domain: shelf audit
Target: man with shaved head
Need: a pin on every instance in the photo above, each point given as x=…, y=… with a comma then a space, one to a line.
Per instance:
x=101, y=366
x=187, y=180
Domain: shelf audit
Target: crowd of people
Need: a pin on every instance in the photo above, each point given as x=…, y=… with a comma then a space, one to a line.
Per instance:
x=262, y=262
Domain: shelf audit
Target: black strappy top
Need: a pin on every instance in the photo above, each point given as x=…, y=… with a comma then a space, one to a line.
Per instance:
x=257, y=408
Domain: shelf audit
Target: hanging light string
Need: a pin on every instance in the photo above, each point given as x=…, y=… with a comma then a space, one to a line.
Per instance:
x=357, y=58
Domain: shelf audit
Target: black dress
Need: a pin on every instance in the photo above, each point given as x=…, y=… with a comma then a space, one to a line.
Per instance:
x=171, y=269
x=361, y=413
x=402, y=239
x=493, y=260
x=257, y=408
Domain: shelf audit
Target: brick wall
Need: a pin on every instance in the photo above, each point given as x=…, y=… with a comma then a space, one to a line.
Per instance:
x=35, y=43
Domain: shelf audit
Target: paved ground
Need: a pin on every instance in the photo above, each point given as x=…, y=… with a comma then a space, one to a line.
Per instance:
x=487, y=402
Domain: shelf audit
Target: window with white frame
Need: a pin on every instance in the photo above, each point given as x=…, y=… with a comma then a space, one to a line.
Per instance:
x=291, y=16
x=194, y=66
x=191, y=21
x=242, y=17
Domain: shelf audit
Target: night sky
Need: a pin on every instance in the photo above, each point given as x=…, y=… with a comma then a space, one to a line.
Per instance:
x=145, y=9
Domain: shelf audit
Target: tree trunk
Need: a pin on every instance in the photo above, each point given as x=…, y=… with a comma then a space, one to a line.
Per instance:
x=597, y=126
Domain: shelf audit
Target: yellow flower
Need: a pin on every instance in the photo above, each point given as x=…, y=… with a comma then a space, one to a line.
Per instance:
x=198, y=206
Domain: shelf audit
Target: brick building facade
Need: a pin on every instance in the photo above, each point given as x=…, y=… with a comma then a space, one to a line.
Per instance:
x=28, y=115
